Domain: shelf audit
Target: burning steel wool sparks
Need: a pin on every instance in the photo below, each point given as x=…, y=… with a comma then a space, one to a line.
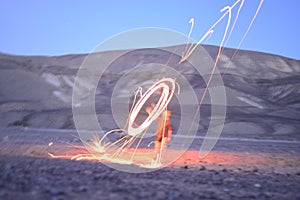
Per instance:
x=122, y=150
x=127, y=148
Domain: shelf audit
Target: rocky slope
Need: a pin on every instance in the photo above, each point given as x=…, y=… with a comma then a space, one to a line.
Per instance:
x=263, y=90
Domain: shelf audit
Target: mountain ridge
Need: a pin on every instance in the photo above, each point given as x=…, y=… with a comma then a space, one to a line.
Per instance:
x=263, y=90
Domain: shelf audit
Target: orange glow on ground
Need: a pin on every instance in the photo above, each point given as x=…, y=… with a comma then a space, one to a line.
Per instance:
x=191, y=158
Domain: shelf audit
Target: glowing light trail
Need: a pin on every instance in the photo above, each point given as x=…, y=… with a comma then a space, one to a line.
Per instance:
x=104, y=150
x=160, y=106
x=117, y=151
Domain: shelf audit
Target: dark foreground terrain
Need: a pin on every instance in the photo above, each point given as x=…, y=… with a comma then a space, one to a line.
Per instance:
x=235, y=169
x=43, y=178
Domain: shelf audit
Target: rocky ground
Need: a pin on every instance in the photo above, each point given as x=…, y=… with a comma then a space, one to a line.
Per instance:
x=233, y=170
x=43, y=178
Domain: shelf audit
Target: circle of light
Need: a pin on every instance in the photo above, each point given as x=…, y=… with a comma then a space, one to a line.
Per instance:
x=162, y=103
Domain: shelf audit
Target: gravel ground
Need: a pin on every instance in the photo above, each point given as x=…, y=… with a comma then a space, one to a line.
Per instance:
x=236, y=169
x=42, y=178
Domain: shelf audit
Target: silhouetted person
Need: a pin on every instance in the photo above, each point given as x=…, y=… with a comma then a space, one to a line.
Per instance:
x=163, y=131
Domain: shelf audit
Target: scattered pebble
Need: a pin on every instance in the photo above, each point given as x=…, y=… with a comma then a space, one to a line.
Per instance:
x=55, y=192
x=255, y=170
x=257, y=185
x=83, y=188
x=87, y=172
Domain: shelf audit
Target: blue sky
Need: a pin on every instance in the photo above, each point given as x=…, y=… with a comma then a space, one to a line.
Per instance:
x=50, y=27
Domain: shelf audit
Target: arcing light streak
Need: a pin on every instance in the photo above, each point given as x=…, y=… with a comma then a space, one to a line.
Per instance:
x=235, y=20
x=245, y=34
x=228, y=11
x=210, y=30
x=251, y=23
x=228, y=8
x=192, y=22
